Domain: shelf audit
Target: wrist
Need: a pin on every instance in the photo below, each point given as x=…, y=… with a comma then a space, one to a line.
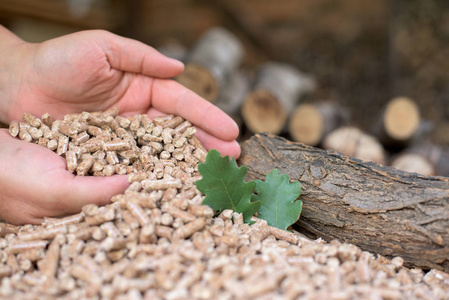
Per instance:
x=11, y=67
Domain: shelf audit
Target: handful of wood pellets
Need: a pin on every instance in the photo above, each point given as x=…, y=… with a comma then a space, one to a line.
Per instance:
x=104, y=143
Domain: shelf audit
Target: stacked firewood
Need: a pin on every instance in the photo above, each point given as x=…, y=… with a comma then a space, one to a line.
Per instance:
x=270, y=99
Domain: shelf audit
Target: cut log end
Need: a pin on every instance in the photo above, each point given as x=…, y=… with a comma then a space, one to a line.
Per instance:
x=437, y=155
x=353, y=142
x=306, y=125
x=401, y=119
x=412, y=162
x=262, y=112
x=200, y=80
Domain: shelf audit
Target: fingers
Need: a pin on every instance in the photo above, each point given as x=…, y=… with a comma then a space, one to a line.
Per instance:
x=230, y=148
x=92, y=190
x=133, y=56
x=171, y=97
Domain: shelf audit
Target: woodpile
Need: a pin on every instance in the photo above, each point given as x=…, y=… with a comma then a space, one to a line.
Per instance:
x=210, y=63
x=274, y=95
x=400, y=138
x=271, y=98
x=264, y=101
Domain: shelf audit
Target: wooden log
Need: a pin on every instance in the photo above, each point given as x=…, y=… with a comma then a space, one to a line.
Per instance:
x=309, y=123
x=352, y=141
x=232, y=95
x=436, y=154
x=380, y=209
x=214, y=57
x=413, y=162
x=277, y=89
x=399, y=123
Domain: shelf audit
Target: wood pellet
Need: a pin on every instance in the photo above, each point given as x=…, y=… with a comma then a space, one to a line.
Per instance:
x=156, y=241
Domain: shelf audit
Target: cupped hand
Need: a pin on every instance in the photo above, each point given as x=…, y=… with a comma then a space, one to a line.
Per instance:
x=96, y=70
x=35, y=184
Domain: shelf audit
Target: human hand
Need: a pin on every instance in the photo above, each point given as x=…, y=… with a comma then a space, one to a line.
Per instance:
x=35, y=183
x=96, y=70
x=86, y=71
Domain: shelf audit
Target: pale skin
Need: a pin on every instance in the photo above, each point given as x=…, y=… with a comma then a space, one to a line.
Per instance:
x=86, y=71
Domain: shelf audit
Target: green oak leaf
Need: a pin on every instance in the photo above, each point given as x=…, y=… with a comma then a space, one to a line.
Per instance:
x=224, y=185
x=278, y=196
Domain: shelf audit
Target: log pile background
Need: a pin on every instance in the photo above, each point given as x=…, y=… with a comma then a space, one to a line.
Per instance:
x=362, y=54
x=279, y=98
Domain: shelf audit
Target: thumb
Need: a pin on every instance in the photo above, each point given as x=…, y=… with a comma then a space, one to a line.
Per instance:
x=92, y=190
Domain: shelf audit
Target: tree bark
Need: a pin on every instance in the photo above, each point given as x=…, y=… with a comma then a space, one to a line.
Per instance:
x=378, y=208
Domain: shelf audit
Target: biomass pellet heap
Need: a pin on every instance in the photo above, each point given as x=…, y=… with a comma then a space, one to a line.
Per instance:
x=156, y=241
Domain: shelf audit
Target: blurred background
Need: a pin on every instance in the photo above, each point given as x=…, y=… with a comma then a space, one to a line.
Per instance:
x=360, y=54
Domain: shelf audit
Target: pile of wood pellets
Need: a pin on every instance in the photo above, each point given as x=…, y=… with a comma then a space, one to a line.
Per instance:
x=156, y=241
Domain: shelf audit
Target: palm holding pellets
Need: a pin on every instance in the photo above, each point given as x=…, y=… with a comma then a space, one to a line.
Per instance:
x=85, y=71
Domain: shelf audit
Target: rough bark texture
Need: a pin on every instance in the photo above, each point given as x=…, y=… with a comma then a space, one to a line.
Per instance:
x=378, y=208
